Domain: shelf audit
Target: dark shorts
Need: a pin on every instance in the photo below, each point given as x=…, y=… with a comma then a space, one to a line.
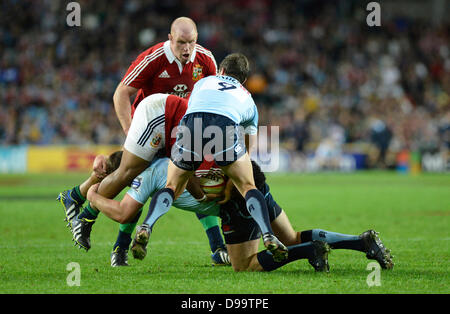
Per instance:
x=208, y=136
x=237, y=224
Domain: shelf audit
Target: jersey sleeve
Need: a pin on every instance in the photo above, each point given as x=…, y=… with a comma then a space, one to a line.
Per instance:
x=143, y=186
x=208, y=61
x=251, y=124
x=212, y=66
x=143, y=68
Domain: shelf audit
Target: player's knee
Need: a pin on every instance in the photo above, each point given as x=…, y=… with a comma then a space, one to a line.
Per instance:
x=126, y=175
x=239, y=267
x=245, y=188
x=250, y=267
x=242, y=264
x=171, y=186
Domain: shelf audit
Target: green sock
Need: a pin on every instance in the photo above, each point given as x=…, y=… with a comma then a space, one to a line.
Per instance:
x=125, y=231
x=128, y=228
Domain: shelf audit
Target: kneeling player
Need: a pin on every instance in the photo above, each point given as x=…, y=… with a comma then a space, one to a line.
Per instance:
x=242, y=236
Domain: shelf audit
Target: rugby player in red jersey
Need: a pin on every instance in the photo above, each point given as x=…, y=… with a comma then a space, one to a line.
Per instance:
x=170, y=67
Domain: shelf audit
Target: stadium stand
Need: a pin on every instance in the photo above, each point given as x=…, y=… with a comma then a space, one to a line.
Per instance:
x=331, y=83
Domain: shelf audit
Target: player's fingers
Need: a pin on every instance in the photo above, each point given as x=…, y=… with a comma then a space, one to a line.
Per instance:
x=226, y=199
x=212, y=196
x=94, y=187
x=100, y=176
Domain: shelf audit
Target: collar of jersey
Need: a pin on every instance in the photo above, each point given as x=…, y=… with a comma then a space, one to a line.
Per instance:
x=230, y=78
x=171, y=57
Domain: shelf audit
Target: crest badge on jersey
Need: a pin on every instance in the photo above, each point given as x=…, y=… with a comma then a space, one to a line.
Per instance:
x=197, y=72
x=156, y=140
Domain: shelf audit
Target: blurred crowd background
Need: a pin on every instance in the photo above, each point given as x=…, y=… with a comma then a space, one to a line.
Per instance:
x=330, y=82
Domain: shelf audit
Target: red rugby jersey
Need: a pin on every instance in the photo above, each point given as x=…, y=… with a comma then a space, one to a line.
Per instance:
x=157, y=70
x=174, y=111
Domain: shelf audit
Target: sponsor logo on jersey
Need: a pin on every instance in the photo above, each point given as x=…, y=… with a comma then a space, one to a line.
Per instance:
x=136, y=183
x=180, y=90
x=197, y=72
x=164, y=74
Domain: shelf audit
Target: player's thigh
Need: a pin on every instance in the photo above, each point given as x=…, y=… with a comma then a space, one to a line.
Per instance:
x=242, y=254
x=177, y=178
x=132, y=165
x=283, y=229
x=241, y=173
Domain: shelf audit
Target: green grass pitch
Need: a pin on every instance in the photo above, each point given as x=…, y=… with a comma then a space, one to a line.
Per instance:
x=412, y=214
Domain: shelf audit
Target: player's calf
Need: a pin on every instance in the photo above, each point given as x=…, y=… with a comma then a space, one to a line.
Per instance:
x=316, y=252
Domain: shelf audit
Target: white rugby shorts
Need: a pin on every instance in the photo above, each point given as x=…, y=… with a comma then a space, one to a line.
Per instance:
x=147, y=131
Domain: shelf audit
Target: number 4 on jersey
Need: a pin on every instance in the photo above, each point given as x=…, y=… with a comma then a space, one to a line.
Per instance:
x=226, y=86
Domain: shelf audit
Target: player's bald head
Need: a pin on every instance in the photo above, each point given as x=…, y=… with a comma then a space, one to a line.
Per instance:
x=183, y=26
x=183, y=38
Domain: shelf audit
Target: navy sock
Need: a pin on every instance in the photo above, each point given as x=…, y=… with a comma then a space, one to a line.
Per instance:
x=211, y=226
x=89, y=213
x=125, y=230
x=159, y=205
x=257, y=207
x=295, y=252
x=75, y=193
x=215, y=238
x=123, y=240
x=334, y=239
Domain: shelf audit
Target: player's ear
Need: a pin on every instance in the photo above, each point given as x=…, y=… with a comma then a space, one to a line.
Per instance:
x=170, y=36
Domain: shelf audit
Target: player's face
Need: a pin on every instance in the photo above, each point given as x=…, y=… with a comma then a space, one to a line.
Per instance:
x=182, y=45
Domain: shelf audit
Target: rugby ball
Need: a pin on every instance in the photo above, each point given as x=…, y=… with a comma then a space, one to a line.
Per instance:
x=212, y=180
x=210, y=186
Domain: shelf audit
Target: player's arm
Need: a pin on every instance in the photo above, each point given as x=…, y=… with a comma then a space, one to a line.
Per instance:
x=122, y=104
x=212, y=66
x=122, y=212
